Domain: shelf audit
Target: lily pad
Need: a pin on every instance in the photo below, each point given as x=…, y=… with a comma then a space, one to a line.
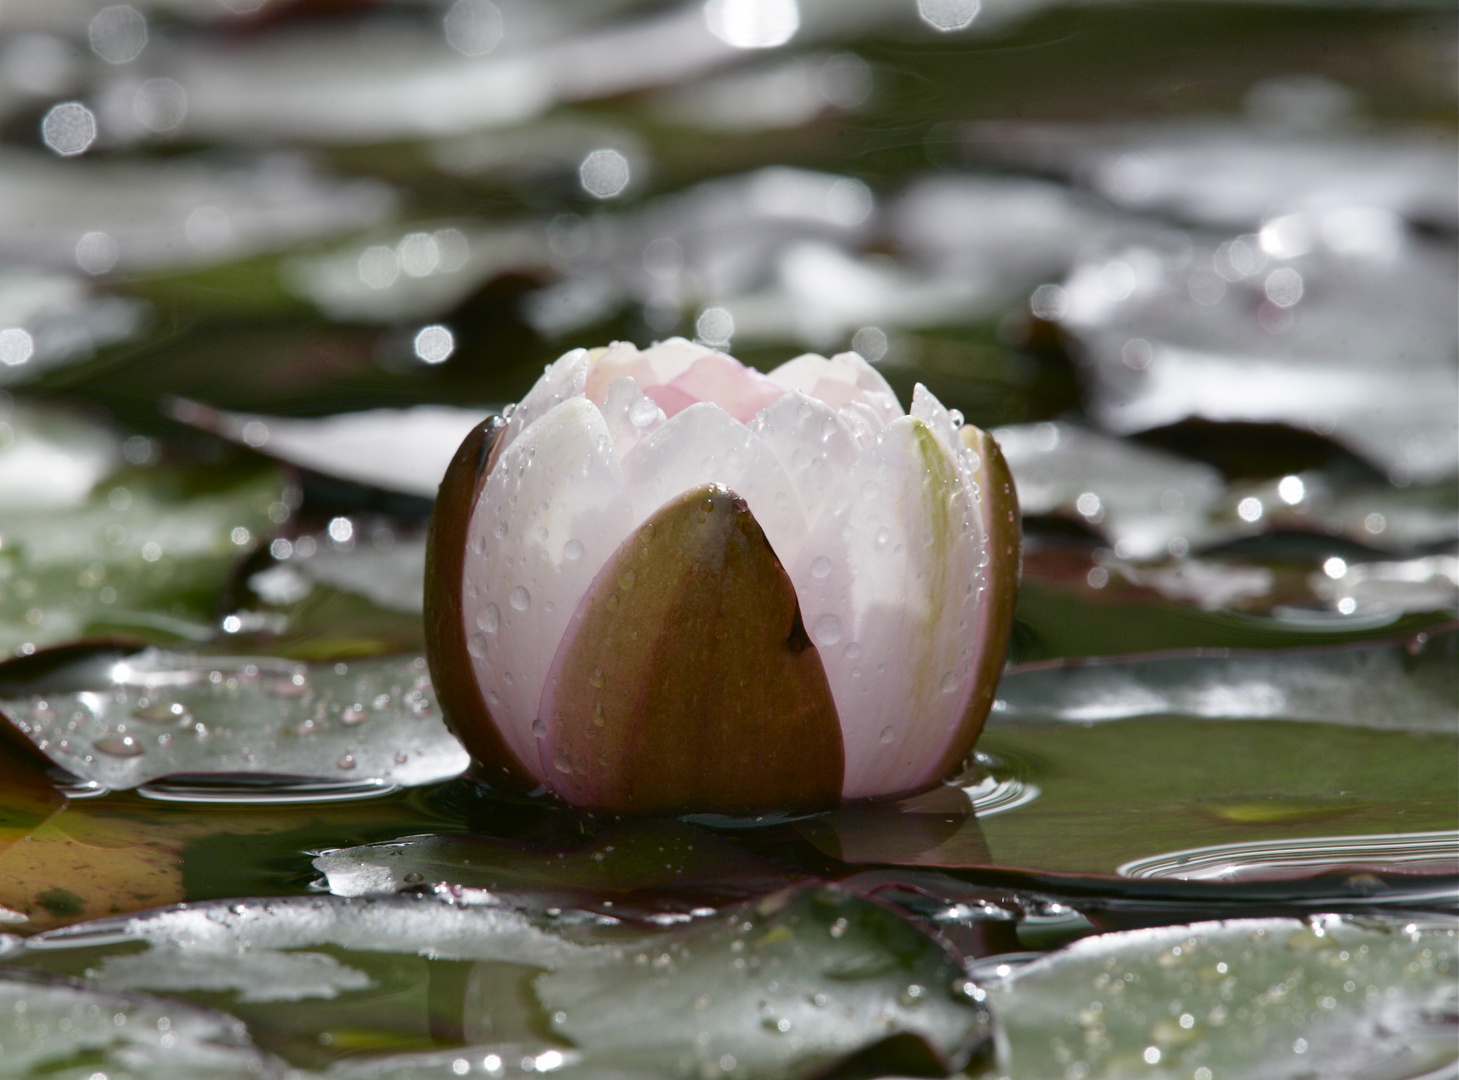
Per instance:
x=61, y=1027
x=1271, y=998
x=666, y=871
x=1329, y=770
x=404, y=450
x=143, y=553
x=245, y=728
x=780, y=989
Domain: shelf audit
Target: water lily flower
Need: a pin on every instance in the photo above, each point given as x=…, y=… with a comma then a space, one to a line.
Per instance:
x=666, y=583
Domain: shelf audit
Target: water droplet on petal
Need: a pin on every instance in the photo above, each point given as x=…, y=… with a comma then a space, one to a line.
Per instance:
x=887, y=734
x=501, y=530
x=828, y=630
x=476, y=645
x=539, y=728
x=801, y=459
x=596, y=678
x=820, y=566
x=828, y=428
x=561, y=762
x=949, y=683
x=346, y=761
x=119, y=746
x=869, y=490
x=572, y=550
x=521, y=599
x=163, y=713
x=852, y=650
x=489, y=619
x=355, y=714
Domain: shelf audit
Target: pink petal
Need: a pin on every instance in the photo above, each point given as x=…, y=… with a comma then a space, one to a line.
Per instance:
x=739, y=390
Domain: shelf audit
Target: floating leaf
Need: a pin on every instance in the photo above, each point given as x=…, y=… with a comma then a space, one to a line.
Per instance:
x=143, y=555
x=60, y=1027
x=1326, y=769
x=155, y=714
x=780, y=989
x=1411, y=685
x=1270, y=998
x=405, y=450
x=667, y=870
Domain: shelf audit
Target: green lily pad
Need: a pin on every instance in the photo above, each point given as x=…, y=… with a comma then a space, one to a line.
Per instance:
x=231, y=728
x=58, y=1027
x=1270, y=998
x=142, y=552
x=1280, y=766
x=780, y=989
x=664, y=870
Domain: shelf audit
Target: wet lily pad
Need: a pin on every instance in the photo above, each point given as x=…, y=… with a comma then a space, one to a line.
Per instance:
x=52, y=1026
x=1329, y=770
x=785, y=986
x=405, y=450
x=249, y=727
x=1276, y=998
x=666, y=871
x=781, y=989
x=143, y=552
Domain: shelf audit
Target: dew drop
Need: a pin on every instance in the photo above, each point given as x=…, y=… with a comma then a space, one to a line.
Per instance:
x=626, y=579
x=828, y=629
x=572, y=550
x=539, y=728
x=949, y=683
x=561, y=762
x=852, y=650
x=805, y=410
x=828, y=428
x=501, y=530
x=887, y=734
x=118, y=746
x=642, y=412
x=163, y=713
x=521, y=599
x=476, y=645
x=801, y=459
x=820, y=566
x=489, y=619
x=346, y=761
x=355, y=714
x=869, y=490
x=709, y=506
x=595, y=680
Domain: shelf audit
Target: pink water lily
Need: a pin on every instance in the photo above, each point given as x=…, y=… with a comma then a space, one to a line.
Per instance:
x=665, y=583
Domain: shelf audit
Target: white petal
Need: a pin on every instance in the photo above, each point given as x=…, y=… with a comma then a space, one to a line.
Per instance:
x=812, y=444
x=670, y=359
x=565, y=377
x=705, y=445
x=551, y=512
x=930, y=411
x=852, y=368
x=618, y=359
x=840, y=381
x=630, y=414
x=861, y=420
x=801, y=374
x=887, y=581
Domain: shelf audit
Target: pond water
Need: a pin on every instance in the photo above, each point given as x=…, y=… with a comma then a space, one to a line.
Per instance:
x=264, y=263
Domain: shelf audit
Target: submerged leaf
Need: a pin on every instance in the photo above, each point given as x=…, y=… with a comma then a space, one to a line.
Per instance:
x=155, y=714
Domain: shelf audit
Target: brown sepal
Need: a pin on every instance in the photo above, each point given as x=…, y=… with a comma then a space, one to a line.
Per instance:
x=686, y=682
x=455, y=683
